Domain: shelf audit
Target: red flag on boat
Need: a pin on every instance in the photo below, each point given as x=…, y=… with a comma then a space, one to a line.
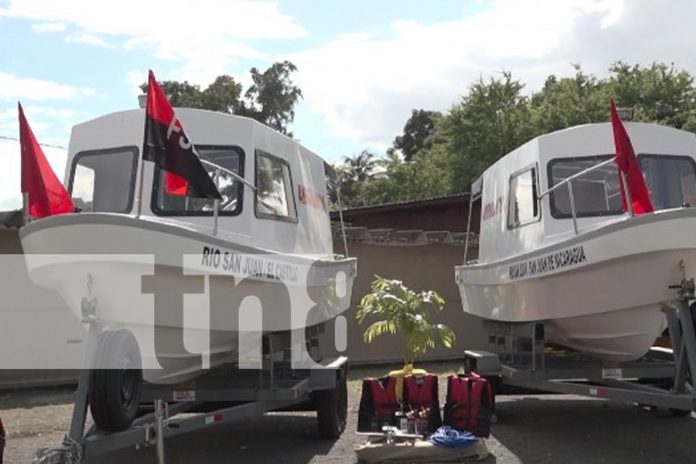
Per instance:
x=47, y=196
x=168, y=147
x=627, y=163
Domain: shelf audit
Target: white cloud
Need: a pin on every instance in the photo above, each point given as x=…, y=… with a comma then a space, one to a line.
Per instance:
x=206, y=35
x=87, y=38
x=235, y=18
x=364, y=84
x=8, y=122
x=48, y=27
x=135, y=79
x=20, y=88
x=43, y=120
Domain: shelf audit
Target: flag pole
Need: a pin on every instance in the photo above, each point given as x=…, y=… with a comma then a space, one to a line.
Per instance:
x=139, y=196
x=216, y=204
x=627, y=193
x=25, y=207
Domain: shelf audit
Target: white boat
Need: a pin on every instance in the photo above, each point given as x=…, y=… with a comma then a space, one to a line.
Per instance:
x=556, y=247
x=267, y=247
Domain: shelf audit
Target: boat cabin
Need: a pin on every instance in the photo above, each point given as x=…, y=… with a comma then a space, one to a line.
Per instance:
x=523, y=206
x=281, y=204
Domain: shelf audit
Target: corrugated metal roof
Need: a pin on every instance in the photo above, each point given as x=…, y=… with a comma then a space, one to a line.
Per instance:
x=444, y=199
x=407, y=237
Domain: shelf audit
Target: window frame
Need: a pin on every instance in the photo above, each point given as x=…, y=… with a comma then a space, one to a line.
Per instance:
x=641, y=156
x=278, y=217
x=555, y=213
x=535, y=192
x=154, y=207
x=135, y=151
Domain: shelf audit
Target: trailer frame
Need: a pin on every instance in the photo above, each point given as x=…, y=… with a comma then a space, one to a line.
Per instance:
x=216, y=398
x=520, y=357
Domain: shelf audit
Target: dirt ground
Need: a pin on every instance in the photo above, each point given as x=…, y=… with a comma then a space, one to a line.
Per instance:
x=530, y=429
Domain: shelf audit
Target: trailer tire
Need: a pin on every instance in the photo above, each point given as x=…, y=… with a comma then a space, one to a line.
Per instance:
x=332, y=408
x=114, y=394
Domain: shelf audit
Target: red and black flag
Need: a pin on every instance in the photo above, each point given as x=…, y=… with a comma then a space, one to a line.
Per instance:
x=168, y=147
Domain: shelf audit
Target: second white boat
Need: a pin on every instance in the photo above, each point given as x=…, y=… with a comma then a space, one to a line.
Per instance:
x=556, y=246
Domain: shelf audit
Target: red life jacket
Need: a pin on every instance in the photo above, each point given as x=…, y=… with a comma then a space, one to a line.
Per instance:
x=384, y=401
x=420, y=396
x=466, y=396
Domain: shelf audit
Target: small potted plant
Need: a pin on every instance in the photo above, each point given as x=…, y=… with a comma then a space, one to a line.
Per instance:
x=404, y=312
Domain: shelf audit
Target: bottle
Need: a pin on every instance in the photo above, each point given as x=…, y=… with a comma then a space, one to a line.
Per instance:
x=411, y=421
x=400, y=419
x=422, y=423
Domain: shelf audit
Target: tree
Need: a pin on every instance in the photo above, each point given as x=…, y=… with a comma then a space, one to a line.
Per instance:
x=400, y=180
x=658, y=93
x=223, y=95
x=182, y=94
x=566, y=102
x=361, y=166
x=405, y=313
x=270, y=100
x=491, y=120
x=440, y=154
x=355, y=172
x=417, y=132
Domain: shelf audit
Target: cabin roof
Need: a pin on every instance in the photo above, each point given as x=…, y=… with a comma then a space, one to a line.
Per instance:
x=206, y=116
x=592, y=139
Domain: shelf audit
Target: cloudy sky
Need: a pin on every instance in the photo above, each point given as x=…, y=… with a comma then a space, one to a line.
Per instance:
x=363, y=64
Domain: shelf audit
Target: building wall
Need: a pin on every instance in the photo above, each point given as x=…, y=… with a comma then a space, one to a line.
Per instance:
x=426, y=267
x=9, y=242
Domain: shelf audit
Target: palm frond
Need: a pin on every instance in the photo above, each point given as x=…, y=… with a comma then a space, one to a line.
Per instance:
x=404, y=311
x=378, y=328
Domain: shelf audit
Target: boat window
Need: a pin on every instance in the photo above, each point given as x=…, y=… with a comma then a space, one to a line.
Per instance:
x=104, y=180
x=523, y=207
x=229, y=158
x=274, y=195
x=670, y=179
x=595, y=193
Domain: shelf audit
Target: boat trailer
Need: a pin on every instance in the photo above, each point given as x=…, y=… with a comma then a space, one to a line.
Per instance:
x=221, y=396
x=664, y=378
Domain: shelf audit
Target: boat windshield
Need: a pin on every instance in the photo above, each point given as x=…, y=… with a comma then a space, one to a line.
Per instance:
x=229, y=158
x=104, y=180
x=670, y=179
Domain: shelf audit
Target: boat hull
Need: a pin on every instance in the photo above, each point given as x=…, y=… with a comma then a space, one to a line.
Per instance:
x=191, y=301
x=601, y=292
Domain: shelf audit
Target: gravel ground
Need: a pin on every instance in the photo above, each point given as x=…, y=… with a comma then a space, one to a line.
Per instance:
x=531, y=429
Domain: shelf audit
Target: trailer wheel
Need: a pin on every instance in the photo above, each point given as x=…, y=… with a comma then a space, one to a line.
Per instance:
x=114, y=394
x=332, y=408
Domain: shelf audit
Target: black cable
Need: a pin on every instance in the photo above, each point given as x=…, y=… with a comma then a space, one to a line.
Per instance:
x=42, y=144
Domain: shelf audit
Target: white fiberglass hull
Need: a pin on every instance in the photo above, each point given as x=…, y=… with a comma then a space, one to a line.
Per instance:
x=209, y=302
x=600, y=292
